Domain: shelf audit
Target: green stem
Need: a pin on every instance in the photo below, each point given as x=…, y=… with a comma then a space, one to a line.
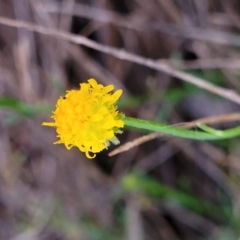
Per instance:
x=208, y=134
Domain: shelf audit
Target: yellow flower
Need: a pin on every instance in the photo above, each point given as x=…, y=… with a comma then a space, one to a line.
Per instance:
x=88, y=118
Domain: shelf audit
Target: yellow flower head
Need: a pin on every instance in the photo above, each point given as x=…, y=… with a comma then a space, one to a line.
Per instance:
x=88, y=118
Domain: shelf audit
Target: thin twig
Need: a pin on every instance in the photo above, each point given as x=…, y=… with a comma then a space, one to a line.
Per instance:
x=209, y=120
x=124, y=55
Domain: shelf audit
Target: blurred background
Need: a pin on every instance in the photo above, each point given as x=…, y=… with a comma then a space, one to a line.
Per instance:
x=166, y=188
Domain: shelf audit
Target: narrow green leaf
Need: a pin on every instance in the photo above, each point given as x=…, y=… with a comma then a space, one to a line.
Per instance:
x=136, y=182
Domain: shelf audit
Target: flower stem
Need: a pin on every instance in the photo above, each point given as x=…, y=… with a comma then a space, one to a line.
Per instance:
x=207, y=133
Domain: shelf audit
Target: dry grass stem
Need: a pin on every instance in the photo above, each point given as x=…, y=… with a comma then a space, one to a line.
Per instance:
x=124, y=55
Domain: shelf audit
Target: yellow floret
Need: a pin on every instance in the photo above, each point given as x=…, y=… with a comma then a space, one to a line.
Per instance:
x=88, y=118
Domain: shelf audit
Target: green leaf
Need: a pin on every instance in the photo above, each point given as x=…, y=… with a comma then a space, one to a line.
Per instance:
x=136, y=182
x=24, y=109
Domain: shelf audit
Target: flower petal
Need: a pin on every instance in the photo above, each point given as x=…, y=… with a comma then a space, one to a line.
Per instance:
x=87, y=118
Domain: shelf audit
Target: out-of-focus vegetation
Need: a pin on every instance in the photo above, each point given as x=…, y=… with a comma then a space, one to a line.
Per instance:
x=166, y=188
